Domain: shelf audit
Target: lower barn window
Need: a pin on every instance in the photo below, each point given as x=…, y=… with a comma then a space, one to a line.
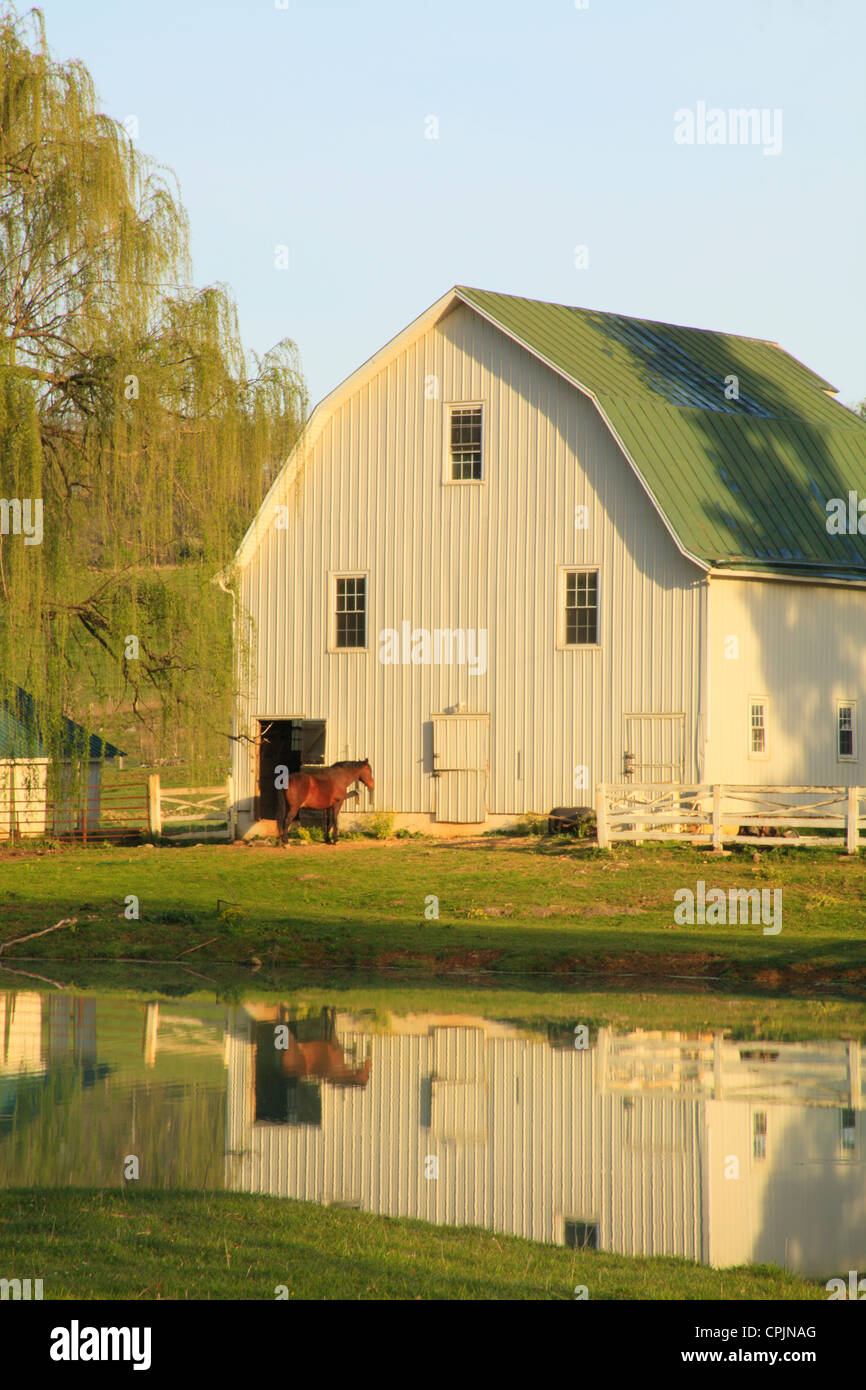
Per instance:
x=351, y=611
x=845, y=741
x=581, y=608
x=758, y=728
x=581, y=1235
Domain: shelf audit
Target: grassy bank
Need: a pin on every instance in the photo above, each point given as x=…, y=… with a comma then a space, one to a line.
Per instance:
x=148, y=1245
x=510, y=906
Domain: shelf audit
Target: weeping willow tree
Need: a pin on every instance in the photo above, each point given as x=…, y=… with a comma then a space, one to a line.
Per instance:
x=136, y=439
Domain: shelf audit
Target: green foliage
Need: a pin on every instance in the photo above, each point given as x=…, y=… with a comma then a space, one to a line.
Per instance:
x=379, y=825
x=128, y=408
x=146, y=1244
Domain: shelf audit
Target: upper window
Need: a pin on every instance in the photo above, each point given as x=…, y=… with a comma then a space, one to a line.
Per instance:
x=846, y=731
x=466, y=444
x=580, y=608
x=350, y=615
x=758, y=745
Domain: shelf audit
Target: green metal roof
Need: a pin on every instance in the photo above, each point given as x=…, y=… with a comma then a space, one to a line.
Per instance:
x=741, y=483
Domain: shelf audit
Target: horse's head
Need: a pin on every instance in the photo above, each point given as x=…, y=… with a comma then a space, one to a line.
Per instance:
x=365, y=774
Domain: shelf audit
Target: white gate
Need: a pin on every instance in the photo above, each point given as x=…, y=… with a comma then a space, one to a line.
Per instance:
x=460, y=766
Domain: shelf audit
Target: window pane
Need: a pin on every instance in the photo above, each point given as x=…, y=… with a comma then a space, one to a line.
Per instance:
x=846, y=731
x=352, y=612
x=465, y=442
x=758, y=729
x=581, y=607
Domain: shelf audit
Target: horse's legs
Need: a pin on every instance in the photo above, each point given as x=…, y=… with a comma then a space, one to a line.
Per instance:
x=326, y=822
x=291, y=814
x=335, y=811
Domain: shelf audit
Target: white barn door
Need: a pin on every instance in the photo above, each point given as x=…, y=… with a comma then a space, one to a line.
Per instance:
x=460, y=766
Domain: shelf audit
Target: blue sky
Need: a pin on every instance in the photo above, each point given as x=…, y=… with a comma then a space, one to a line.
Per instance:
x=306, y=127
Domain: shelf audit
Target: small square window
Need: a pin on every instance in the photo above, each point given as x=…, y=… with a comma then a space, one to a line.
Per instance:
x=465, y=443
x=580, y=608
x=758, y=728
x=846, y=742
x=350, y=628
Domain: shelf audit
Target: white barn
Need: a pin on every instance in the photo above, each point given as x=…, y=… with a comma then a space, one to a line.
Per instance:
x=528, y=548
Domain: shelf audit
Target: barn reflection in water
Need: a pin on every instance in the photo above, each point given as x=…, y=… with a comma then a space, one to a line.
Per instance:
x=640, y=1142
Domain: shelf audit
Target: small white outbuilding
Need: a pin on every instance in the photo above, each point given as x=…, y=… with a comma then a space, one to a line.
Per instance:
x=31, y=802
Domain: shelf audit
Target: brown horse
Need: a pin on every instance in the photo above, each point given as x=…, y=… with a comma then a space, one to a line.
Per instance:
x=325, y=790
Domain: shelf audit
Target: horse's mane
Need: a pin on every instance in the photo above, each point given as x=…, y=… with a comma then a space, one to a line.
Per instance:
x=350, y=764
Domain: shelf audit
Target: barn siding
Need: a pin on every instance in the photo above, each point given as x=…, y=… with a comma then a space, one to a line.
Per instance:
x=486, y=556
x=804, y=647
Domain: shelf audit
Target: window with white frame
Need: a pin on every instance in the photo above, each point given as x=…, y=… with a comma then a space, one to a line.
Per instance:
x=350, y=611
x=758, y=727
x=846, y=731
x=465, y=458
x=579, y=623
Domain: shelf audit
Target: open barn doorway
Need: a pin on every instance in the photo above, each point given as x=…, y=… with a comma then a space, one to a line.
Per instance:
x=291, y=743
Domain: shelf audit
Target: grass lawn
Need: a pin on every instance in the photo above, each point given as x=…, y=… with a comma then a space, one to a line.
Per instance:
x=147, y=1245
x=510, y=906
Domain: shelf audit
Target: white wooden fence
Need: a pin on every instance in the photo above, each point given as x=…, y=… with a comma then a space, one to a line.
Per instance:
x=190, y=813
x=714, y=814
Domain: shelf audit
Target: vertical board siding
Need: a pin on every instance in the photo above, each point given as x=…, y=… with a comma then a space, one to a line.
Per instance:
x=804, y=647
x=472, y=556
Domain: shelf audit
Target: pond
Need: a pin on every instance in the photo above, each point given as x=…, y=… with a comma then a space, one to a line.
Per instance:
x=629, y=1139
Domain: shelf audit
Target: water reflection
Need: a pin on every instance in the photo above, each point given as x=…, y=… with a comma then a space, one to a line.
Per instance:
x=642, y=1143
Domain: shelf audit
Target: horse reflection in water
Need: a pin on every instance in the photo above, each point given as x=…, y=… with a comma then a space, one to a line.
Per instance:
x=323, y=1058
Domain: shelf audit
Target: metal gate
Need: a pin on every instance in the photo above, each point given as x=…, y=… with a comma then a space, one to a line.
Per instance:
x=654, y=748
x=460, y=766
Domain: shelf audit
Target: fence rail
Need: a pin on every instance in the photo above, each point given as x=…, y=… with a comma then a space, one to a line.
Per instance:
x=121, y=810
x=718, y=813
x=191, y=813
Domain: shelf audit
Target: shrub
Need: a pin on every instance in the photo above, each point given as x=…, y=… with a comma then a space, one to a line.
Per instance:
x=380, y=825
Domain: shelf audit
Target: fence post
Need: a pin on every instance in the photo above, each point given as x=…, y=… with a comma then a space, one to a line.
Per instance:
x=852, y=820
x=154, y=810
x=601, y=816
x=717, y=815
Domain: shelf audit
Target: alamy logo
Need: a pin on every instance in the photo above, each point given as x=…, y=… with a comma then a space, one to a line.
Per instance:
x=836, y=1287
x=76, y=1343
x=20, y=1288
x=22, y=516
x=715, y=907
x=443, y=646
x=742, y=125
x=846, y=518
